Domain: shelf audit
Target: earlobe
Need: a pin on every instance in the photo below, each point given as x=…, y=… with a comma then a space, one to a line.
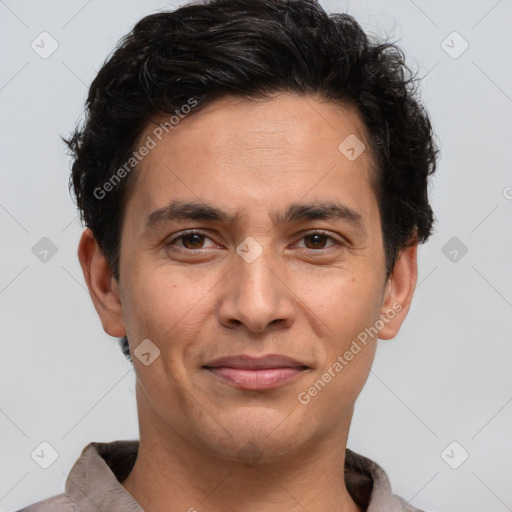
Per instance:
x=102, y=286
x=399, y=292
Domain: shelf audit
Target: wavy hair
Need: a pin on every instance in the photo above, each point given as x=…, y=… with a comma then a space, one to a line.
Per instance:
x=254, y=49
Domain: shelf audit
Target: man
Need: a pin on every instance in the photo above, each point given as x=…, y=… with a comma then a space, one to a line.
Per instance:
x=253, y=177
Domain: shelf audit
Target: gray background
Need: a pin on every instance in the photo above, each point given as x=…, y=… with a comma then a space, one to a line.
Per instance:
x=446, y=377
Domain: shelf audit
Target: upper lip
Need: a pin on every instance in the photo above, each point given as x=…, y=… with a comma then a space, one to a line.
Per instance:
x=246, y=362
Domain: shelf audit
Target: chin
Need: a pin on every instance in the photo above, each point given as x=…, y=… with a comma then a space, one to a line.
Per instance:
x=255, y=437
x=251, y=450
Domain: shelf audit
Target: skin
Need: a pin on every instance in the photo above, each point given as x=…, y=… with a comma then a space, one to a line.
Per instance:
x=205, y=444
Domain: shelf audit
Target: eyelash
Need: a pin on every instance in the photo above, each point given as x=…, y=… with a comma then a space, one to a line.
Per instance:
x=195, y=232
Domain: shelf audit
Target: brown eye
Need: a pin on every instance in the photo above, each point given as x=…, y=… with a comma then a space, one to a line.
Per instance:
x=192, y=241
x=318, y=241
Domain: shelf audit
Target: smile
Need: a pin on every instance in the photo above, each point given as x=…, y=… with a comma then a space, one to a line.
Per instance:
x=251, y=373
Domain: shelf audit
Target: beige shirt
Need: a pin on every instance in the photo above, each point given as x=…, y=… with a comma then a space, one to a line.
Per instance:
x=93, y=484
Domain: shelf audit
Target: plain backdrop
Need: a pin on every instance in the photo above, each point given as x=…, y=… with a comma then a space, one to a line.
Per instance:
x=446, y=378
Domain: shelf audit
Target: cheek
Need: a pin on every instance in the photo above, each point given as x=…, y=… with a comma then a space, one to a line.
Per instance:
x=165, y=302
x=356, y=362
x=348, y=311
x=345, y=300
x=346, y=363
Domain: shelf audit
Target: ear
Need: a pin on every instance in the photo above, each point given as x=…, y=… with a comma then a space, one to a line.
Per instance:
x=399, y=292
x=103, y=288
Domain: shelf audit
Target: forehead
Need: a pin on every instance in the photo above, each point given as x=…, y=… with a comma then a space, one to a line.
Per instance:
x=273, y=125
x=236, y=150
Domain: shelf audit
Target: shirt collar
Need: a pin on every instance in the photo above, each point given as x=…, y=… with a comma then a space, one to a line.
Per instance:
x=94, y=480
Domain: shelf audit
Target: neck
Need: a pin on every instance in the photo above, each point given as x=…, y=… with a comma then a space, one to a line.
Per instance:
x=171, y=473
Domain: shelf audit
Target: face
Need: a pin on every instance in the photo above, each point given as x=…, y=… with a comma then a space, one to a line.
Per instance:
x=276, y=266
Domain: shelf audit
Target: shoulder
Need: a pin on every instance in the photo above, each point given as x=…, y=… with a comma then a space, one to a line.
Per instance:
x=58, y=503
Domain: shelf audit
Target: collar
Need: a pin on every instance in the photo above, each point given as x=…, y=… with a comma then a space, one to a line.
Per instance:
x=95, y=480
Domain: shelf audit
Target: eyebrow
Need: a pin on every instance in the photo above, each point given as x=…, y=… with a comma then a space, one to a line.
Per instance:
x=190, y=210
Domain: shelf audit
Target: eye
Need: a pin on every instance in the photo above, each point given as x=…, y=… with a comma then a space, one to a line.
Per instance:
x=194, y=241
x=191, y=240
x=316, y=241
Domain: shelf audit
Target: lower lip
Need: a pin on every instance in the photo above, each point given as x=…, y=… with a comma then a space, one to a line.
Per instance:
x=256, y=379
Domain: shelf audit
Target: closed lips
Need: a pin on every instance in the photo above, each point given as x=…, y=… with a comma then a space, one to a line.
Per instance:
x=244, y=362
x=256, y=373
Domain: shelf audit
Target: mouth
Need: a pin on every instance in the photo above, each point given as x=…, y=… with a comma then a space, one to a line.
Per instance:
x=256, y=373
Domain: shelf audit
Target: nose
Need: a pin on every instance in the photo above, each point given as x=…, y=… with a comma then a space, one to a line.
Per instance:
x=257, y=296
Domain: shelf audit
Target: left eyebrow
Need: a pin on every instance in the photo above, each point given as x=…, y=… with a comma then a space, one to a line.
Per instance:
x=320, y=211
x=180, y=210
